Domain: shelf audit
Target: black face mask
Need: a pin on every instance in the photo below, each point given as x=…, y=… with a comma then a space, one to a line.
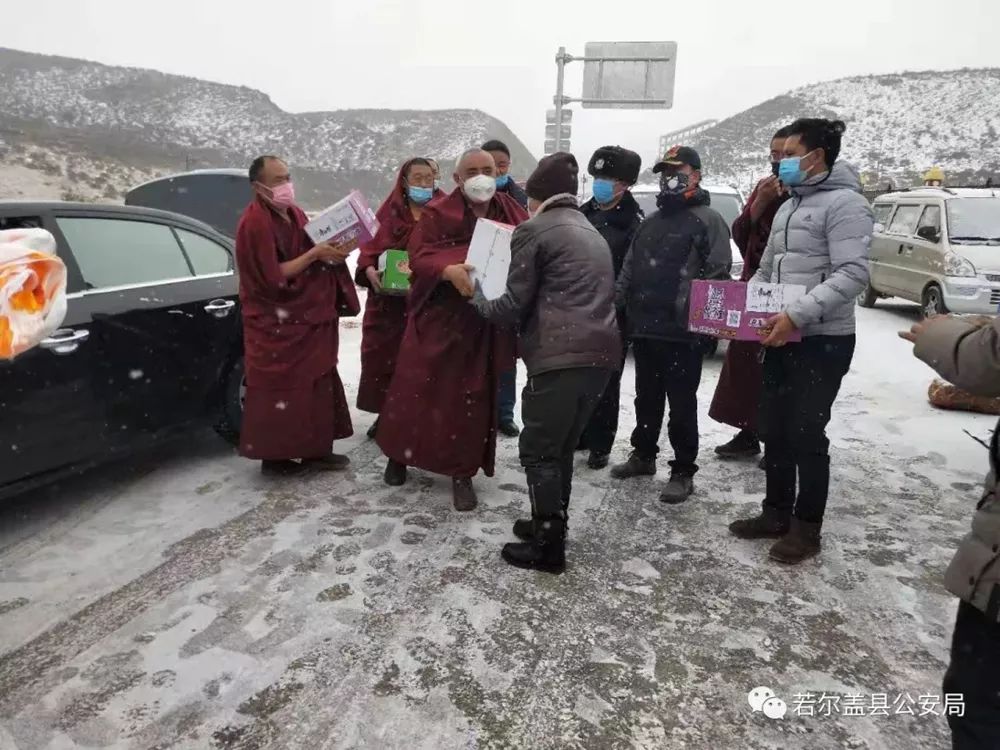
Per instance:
x=775, y=166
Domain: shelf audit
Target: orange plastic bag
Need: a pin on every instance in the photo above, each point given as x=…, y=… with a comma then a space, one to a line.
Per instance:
x=32, y=289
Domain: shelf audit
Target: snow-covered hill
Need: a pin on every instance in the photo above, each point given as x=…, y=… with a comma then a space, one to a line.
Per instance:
x=91, y=130
x=898, y=126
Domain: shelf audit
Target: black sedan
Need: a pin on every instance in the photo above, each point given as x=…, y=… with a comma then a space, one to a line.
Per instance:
x=151, y=344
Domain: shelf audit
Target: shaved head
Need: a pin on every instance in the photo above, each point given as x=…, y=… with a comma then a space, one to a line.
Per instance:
x=473, y=162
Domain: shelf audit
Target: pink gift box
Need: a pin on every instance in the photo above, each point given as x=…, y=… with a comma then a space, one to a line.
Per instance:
x=345, y=220
x=721, y=309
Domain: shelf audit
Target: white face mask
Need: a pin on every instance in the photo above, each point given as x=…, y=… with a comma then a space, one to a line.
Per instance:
x=480, y=189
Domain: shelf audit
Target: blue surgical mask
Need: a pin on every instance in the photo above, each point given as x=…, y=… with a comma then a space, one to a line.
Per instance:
x=419, y=195
x=604, y=190
x=790, y=170
x=502, y=180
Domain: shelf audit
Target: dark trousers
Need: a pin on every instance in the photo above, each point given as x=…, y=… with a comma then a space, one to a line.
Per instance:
x=801, y=382
x=974, y=673
x=599, y=435
x=667, y=371
x=555, y=407
x=507, y=396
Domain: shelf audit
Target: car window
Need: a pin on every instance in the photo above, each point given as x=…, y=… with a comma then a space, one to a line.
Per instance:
x=728, y=205
x=904, y=221
x=20, y=222
x=881, y=211
x=206, y=256
x=931, y=217
x=123, y=252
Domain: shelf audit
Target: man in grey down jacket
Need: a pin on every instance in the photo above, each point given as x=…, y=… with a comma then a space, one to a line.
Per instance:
x=560, y=295
x=820, y=240
x=967, y=353
x=684, y=240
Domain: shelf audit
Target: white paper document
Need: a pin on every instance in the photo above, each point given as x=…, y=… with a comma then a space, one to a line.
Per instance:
x=772, y=298
x=489, y=253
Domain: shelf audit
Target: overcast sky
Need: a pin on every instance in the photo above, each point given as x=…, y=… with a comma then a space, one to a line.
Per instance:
x=499, y=56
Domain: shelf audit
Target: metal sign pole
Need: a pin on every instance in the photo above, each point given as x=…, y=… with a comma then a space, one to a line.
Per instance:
x=560, y=74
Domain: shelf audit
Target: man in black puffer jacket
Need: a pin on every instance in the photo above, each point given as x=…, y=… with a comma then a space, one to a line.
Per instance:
x=617, y=216
x=683, y=240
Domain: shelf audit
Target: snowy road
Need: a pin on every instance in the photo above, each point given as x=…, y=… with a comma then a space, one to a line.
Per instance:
x=185, y=602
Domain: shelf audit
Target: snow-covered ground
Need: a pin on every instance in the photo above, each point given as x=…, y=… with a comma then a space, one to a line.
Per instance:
x=183, y=601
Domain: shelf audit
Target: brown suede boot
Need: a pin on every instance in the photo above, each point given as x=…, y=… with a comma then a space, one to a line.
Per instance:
x=463, y=494
x=800, y=543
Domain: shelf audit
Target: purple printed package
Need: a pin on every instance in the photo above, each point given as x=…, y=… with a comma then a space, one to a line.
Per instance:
x=738, y=310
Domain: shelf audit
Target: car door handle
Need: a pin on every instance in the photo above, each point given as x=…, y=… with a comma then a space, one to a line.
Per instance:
x=65, y=341
x=220, y=308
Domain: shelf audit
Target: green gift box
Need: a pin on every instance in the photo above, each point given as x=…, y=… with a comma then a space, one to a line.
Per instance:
x=394, y=267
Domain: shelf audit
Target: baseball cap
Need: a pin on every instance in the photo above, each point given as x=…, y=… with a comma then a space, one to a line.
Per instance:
x=677, y=156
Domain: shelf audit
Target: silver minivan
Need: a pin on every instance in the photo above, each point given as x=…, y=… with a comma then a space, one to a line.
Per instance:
x=939, y=247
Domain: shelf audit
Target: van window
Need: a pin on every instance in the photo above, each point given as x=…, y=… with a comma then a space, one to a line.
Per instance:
x=931, y=218
x=882, y=211
x=904, y=221
x=123, y=252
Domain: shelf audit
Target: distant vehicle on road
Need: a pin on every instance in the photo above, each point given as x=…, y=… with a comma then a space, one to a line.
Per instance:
x=151, y=344
x=725, y=199
x=939, y=247
x=216, y=197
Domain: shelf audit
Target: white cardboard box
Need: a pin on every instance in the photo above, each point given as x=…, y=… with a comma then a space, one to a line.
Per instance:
x=489, y=253
x=347, y=219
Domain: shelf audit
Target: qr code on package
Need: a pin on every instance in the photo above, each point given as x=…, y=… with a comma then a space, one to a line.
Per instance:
x=733, y=318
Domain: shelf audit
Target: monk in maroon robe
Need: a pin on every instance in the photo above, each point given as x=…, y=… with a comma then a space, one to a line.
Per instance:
x=737, y=394
x=291, y=293
x=385, y=315
x=440, y=414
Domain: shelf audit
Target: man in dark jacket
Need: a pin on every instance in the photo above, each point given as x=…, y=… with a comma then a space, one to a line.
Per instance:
x=683, y=240
x=616, y=215
x=560, y=295
x=507, y=398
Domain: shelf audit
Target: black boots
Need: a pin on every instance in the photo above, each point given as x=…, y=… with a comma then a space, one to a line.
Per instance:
x=395, y=474
x=636, y=466
x=598, y=460
x=544, y=547
x=678, y=489
x=546, y=551
x=744, y=445
x=770, y=524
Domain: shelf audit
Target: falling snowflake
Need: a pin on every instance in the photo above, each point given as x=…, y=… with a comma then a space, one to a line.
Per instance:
x=13, y=447
x=281, y=405
x=407, y=454
x=135, y=374
x=282, y=313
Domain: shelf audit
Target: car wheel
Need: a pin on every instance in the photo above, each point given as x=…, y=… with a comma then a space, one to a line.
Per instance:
x=868, y=297
x=233, y=396
x=933, y=302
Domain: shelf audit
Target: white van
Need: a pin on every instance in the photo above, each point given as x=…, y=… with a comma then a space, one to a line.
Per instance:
x=939, y=247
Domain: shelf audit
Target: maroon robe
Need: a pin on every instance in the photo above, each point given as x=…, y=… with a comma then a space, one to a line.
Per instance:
x=737, y=394
x=295, y=404
x=440, y=414
x=385, y=314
